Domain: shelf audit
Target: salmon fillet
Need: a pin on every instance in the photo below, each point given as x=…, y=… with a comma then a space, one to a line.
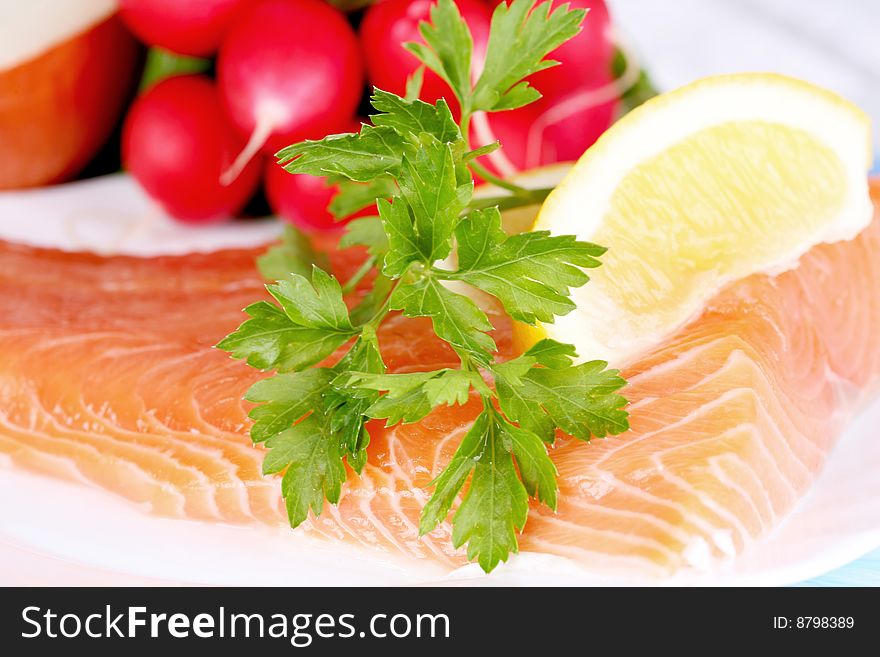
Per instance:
x=108, y=377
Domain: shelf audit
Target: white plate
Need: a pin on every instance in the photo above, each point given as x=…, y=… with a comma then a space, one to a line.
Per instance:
x=61, y=533
x=112, y=215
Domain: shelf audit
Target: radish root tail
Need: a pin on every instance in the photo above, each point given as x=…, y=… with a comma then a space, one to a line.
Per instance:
x=266, y=124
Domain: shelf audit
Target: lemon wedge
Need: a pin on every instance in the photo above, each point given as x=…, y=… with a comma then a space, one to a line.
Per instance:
x=723, y=178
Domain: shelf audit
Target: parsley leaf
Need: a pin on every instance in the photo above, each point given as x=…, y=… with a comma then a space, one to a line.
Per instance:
x=429, y=185
x=457, y=319
x=368, y=232
x=361, y=157
x=530, y=273
x=421, y=221
x=535, y=467
x=519, y=39
x=516, y=404
x=581, y=399
x=310, y=325
x=349, y=406
x=314, y=468
x=414, y=83
x=495, y=505
x=405, y=400
x=450, y=481
x=294, y=255
x=414, y=116
x=354, y=196
x=286, y=398
x=447, y=48
x=453, y=387
x=317, y=304
x=271, y=340
x=403, y=244
x=410, y=397
x=551, y=353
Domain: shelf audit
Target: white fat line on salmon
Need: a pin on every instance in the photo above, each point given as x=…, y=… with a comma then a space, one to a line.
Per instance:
x=716, y=469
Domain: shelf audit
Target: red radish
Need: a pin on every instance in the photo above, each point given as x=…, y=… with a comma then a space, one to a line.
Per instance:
x=585, y=59
x=390, y=23
x=567, y=127
x=176, y=141
x=289, y=70
x=189, y=27
x=550, y=130
x=579, y=102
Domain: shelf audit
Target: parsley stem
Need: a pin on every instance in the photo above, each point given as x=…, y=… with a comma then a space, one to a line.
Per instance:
x=490, y=177
x=358, y=276
x=468, y=364
x=464, y=126
x=374, y=322
x=534, y=197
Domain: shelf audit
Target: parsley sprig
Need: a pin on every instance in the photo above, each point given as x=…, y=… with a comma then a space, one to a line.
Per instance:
x=414, y=162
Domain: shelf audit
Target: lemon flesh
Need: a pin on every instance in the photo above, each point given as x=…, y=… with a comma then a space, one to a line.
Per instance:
x=713, y=201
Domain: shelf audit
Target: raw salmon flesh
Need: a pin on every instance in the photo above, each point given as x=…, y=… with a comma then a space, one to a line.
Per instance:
x=108, y=377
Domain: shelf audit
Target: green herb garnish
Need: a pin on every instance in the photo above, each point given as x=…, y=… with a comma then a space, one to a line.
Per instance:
x=416, y=164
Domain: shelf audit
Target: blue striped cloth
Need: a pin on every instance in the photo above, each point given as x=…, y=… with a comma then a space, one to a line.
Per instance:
x=862, y=572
